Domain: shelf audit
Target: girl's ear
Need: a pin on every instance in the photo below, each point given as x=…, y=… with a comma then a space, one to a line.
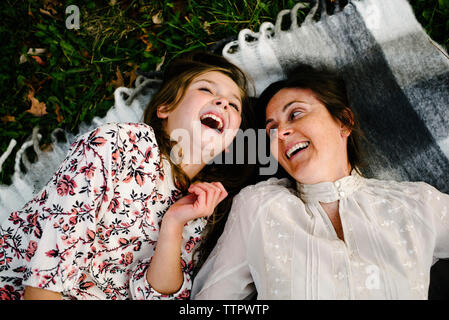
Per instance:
x=162, y=112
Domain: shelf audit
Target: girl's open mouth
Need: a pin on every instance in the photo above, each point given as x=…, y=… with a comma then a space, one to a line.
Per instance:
x=212, y=121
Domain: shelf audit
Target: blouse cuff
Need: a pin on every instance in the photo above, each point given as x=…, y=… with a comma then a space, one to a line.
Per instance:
x=140, y=289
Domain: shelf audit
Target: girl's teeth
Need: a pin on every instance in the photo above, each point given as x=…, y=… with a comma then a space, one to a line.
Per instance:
x=218, y=119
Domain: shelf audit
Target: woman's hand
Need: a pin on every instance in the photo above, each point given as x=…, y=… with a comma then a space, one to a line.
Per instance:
x=201, y=201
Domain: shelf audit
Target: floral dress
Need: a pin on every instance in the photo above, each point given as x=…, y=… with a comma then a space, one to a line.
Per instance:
x=91, y=232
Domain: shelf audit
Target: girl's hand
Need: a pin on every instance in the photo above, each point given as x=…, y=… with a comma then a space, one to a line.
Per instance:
x=201, y=202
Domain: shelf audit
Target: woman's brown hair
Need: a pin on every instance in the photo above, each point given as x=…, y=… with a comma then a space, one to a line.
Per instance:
x=330, y=90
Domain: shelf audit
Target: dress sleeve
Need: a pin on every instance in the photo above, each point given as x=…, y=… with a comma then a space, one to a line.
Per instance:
x=226, y=273
x=141, y=289
x=60, y=223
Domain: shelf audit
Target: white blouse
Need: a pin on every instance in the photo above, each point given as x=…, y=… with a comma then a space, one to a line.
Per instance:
x=280, y=243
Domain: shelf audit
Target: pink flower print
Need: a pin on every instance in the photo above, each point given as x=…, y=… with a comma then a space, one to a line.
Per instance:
x=127, y=258
x=190, y=245
x=66, y=186
x=32, y=246
x=94, y=141
x=8, y=293
x=88, y=170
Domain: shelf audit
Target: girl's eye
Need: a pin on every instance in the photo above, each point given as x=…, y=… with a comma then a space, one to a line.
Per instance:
x=206, y=89
x=236, y=107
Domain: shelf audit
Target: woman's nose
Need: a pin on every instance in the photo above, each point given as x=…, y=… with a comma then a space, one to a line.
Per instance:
x=284, y=132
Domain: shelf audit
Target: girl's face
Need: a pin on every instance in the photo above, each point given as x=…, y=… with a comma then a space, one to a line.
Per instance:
x=207, y=118
x=305, y=139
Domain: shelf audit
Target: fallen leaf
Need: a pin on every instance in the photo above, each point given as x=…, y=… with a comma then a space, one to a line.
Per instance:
x=159, y=65
x=157, y=18
x=39, y=60
x=119, y=82
x=37, y=109
x=132, y=75
x=8, y=118
x=206, y=27
x=33, y=52
x=59, y=116
x=45, y=12
x=144, y=39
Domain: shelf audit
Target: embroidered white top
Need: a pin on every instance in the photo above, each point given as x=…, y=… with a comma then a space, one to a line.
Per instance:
x=280, y=242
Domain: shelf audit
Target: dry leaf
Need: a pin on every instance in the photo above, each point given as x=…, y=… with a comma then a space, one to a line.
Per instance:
x=59, y=116
x=8, y=118
x=33, y=52
x=206, y=27
x=157, y=18
x=159, y=65
x=132, y=75
x=37, y=109
x=119, y=82
x=144, y=39
x=39, y=60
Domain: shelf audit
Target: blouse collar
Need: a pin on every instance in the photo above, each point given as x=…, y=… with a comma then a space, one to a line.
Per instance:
x=330, y=191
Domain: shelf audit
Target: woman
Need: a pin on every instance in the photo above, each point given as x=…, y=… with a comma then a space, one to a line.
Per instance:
x=332, y=234
x=121, y=216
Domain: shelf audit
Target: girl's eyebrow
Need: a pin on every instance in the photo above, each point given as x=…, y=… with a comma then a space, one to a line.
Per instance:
x=214, y=83
x=284, y=109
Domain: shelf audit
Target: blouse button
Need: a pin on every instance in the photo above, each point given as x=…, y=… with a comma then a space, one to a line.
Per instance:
x=337, y=184
x=341, y=193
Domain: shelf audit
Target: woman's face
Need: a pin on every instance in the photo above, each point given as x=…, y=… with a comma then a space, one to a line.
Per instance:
x=207, y=118
x=304, y=137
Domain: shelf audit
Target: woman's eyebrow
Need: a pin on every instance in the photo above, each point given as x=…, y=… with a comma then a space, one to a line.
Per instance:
x=285, y=108
x=214, y=83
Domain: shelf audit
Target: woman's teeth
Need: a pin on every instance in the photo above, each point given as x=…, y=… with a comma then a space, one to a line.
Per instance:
x=296, y=148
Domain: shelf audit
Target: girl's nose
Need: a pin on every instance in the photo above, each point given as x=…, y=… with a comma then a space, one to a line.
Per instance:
x=222, y=102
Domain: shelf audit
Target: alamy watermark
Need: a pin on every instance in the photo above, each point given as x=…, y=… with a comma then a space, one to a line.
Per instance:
x=249, y=147
x=73, y=20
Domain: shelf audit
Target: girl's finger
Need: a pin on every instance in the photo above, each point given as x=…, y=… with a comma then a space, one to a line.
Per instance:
x=223, y=192
x=212, y=196
x=201, y=196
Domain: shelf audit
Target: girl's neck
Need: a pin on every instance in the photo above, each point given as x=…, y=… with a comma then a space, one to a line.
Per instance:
x=191, y=170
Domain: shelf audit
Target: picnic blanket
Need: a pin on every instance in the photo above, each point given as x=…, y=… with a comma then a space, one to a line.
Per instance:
x=397, y=79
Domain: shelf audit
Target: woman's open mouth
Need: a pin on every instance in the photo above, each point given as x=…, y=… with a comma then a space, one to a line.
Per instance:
x=212, y=121
x=295, y=149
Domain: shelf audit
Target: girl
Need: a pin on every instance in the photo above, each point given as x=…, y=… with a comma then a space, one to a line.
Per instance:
x=113, y=222
x=331, y=234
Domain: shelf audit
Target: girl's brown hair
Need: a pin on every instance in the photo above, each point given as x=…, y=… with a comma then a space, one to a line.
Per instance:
x=330, y=90
x=178, y=75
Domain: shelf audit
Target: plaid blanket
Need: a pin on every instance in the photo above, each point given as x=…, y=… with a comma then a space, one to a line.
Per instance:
x=397, y=79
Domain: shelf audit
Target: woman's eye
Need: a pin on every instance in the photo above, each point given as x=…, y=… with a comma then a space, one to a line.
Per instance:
x=272, y=131
x=295, y=114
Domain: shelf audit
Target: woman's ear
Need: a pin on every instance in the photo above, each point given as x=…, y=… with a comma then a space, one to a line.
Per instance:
x=349, y=117
x=162, y=112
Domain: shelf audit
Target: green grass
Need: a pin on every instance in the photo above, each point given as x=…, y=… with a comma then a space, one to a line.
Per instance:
x=76, y=78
